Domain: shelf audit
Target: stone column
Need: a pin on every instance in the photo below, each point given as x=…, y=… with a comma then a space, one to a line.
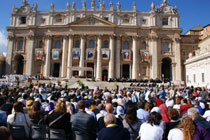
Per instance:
x=98, y=68
x=174, y=71
x=82, y=56
x=47, y=59
x=111, y=58
x=10, y=46
x=30, y=55
x=63, y=57
x=135, y=65
x=69, y=65
x=178, y=60
x=117, y=64
x=154, y=49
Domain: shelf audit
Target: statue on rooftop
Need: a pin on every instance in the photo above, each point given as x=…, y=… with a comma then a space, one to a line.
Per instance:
x=67, y=5
x=84, y=4
x=118, y=6
x=52, y=6
x=93, y=4
x=35, y=6
x=73, y=5
x=152, y=6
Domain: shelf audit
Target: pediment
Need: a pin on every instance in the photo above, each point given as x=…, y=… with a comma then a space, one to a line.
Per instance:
x=92, y=21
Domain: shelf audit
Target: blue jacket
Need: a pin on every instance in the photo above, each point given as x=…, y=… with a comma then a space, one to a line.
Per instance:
x=114, y=133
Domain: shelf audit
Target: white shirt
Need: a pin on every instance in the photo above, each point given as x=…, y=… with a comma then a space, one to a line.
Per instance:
x=207, y=115
x=177, y=107
x=175, y=134
x=149, y=132
x=90, y=112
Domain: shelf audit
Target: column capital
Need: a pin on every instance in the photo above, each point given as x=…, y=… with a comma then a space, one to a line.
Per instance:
x=70, y=36
x=11, y=37
x=99, y=36
x=83, y=36
x=30, y=37
x=118, y=37
x=65, y=37
x=136, y=37
x=177, y=40
x=112, y=36
x=153, y=37
x=48, y=37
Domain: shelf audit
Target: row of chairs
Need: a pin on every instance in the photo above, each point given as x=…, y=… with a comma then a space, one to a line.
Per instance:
x=37, y=132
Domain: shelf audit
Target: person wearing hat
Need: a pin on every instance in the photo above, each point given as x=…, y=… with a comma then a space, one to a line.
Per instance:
x=29, y=103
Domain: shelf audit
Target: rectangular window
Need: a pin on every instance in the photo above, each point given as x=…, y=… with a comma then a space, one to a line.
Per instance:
x=58, y=20
x=144, y=21
x=42, y=20
x=77, y=18
x=166, y=47
x=106, y=18
x=203, y=77
x=207, y=30
x=144, y=71
x=165, y=21
x=194, y=78
x=20, y=45
x=22, y=20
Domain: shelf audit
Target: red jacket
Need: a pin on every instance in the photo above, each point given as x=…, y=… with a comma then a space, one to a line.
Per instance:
x=184, y=108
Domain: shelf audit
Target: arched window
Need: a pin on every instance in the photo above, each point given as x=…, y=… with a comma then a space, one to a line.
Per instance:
x=91, y=43
x=166, y=47
x=126, y=45
x=106, y=44
x=144, y=45
x=58, y=44
x=77, y=44
x=20, y=45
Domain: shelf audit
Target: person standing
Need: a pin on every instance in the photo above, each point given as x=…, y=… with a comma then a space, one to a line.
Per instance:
x=83, y=124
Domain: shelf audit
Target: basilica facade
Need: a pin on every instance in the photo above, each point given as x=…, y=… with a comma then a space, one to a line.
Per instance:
x=103, y=43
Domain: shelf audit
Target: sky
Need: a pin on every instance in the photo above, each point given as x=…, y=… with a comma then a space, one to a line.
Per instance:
x=191, y=12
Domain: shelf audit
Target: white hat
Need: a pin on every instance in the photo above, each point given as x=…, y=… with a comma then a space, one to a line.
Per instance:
x=156, y=109
x=120, y=110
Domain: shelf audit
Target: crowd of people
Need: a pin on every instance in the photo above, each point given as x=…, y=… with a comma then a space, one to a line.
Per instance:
x=151, y=113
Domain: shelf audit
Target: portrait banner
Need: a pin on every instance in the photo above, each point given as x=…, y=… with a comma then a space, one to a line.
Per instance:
x=126, y=55
x=76, y=54
x=90, y=54
x=55, y=54
x=105, y=54
x=39, y=54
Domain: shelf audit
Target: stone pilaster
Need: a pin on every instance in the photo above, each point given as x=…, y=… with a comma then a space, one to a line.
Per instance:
x=47, y=58
x=69, y=65
x=111, y=59
x=174, y=71
x=10, y=46
x=117, y=64
x=63, y=57
x=135, y=65
x=82, y=55
x=178, y=60
x=154, y=48
x=30, y=55
x=98, y=68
